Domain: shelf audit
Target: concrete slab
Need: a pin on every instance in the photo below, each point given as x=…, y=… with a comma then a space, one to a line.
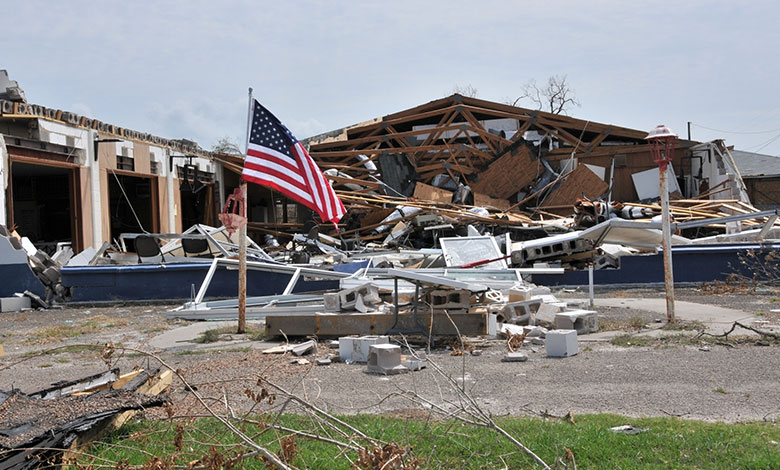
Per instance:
x=717, y=320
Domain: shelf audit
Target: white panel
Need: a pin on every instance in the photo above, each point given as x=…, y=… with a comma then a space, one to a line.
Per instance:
x=647, y=183
x=599, y=170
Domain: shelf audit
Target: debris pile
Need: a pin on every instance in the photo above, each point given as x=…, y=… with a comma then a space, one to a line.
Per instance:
x=50, y=426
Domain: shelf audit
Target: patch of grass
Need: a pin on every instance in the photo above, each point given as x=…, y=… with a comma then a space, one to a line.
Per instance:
x=213, y=335
x=683, y=339
x=632, y=340
x=684, y=325
x=62, y=360
x=633, y=323
x=190, y=352
x=154, y=329
x=44, y=366
x=721, y=390
x=65, y=331
x=75, y=349
x=669, y=443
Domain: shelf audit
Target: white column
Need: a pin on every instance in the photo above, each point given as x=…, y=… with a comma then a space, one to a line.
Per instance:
x=4, y=163
x=169, y=188
x=94, y=185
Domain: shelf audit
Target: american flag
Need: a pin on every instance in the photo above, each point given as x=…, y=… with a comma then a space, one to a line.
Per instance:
x=275, y=158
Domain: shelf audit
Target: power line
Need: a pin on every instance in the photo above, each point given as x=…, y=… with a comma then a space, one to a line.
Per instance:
x=735, y=132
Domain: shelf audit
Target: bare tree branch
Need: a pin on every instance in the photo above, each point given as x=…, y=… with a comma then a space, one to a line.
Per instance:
x=556, y=96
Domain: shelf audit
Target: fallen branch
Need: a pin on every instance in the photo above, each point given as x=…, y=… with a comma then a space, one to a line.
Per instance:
x=741, y=325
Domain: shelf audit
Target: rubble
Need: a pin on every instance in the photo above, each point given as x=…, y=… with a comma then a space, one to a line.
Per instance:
x=51, y=425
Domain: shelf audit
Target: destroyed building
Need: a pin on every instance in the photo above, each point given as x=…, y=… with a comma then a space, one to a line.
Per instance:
x=72, y=179
x=506, y=153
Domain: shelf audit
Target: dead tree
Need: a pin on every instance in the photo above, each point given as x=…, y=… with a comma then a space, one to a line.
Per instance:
x=555, y=97
x=467, y=91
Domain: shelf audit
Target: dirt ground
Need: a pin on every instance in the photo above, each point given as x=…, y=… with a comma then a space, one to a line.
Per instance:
x=709, y=381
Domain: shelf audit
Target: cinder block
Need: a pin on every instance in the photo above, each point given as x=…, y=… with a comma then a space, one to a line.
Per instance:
x=14, y=304
x=584, y=321
x=515, y=357
x=545, y=314
x=332, y=302
x=450, y=299
x=356, y=349
x=415, y=364
x=368, y=294
x=385, y=359
x=52, y=275
x=520, y=312
x=562, y=343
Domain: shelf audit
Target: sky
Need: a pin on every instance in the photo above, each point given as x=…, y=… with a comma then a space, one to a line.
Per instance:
x=181, y=69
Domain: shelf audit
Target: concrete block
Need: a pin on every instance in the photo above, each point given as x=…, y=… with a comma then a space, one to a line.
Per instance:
x=584, y=321
x=535, y=331
x=323, y=361
x=52, y=275
x=368, y=293
x=545, y=315
x=332, y=302
x=14, y=304
x=492, y=329
x=515, y=357
x=356, y=349
x=520, y=312
x=385, y=359
x=304, y=348
x=450, y=299
x=562, y=343
x=415, y=364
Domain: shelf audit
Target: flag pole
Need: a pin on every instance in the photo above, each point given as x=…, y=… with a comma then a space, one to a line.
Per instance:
x=243, y=233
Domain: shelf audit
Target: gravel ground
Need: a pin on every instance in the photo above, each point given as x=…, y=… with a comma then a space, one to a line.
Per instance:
x=715, y=383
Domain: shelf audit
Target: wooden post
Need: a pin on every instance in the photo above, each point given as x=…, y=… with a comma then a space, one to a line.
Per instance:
x=242, y=233
x=242, y=264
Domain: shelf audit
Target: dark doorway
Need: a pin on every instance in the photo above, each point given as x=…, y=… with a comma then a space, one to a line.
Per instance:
x=197, y=205
x=42, y=204
x=133, y=205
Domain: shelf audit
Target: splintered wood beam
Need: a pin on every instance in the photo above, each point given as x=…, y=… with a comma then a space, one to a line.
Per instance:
x=342, y=180
x=362, y=163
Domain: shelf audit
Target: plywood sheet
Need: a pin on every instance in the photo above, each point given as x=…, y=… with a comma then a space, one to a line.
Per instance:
x=580, y=182
x=507, y=175
x=427, y=192
x=482, y=200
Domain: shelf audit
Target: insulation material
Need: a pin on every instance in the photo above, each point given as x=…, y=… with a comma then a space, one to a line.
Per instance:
x=507, y=175
x=580, y=182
